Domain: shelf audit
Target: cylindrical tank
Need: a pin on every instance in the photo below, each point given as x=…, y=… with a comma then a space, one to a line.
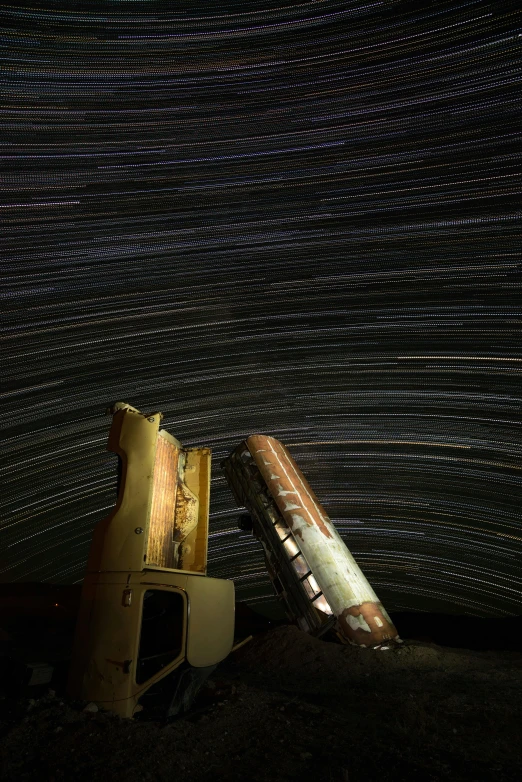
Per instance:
x=361, y=617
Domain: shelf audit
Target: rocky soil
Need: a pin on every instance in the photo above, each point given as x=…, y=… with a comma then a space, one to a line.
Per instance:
x=287, y=706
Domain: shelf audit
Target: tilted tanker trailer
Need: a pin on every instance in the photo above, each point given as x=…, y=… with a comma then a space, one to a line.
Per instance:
x=313, y=573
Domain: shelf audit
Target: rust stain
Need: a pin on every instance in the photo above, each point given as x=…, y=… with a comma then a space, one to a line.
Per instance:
x=381, y=629
x=288, y=486
x=160, y=547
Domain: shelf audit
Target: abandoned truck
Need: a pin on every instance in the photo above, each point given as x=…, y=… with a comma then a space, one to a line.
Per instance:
x=150, y=625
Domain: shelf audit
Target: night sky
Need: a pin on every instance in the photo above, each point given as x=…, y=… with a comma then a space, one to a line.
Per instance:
x=296, y=219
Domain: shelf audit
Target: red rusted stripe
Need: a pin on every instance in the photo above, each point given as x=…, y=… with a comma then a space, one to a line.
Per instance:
x=286, y=482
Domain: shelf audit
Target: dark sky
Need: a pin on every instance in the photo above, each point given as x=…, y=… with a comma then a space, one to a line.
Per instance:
x=297, y=219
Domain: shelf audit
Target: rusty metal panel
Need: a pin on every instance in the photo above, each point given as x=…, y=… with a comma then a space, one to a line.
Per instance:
x=160, y=545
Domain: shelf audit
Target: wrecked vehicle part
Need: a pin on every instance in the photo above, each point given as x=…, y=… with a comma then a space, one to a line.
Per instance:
x=311, y=569
x=148, y=609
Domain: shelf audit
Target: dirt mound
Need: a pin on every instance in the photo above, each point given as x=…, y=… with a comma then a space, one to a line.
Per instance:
x=288, y=651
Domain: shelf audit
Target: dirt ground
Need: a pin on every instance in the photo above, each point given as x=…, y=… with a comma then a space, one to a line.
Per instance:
x=288, y=706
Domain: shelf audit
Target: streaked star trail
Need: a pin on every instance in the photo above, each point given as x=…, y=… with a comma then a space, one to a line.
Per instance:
x=299, y=219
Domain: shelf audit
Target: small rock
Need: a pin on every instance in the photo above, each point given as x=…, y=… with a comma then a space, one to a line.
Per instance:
x=51, y=693
x=91, y=707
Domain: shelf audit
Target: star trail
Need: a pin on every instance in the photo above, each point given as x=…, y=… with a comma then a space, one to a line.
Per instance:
x=302, y=220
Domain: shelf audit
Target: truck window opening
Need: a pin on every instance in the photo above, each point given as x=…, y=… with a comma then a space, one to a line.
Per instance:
x=161, y=637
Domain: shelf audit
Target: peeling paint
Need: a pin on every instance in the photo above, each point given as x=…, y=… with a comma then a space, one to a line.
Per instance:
x=378, y=628
x=358, y=622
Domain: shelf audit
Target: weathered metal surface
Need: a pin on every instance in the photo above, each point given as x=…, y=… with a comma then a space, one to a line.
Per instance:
x=269, y=527
x=175, y=508
x=160, y=545
x=361, y=617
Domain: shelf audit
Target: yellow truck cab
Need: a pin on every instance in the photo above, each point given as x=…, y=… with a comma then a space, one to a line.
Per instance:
x=152, y=625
